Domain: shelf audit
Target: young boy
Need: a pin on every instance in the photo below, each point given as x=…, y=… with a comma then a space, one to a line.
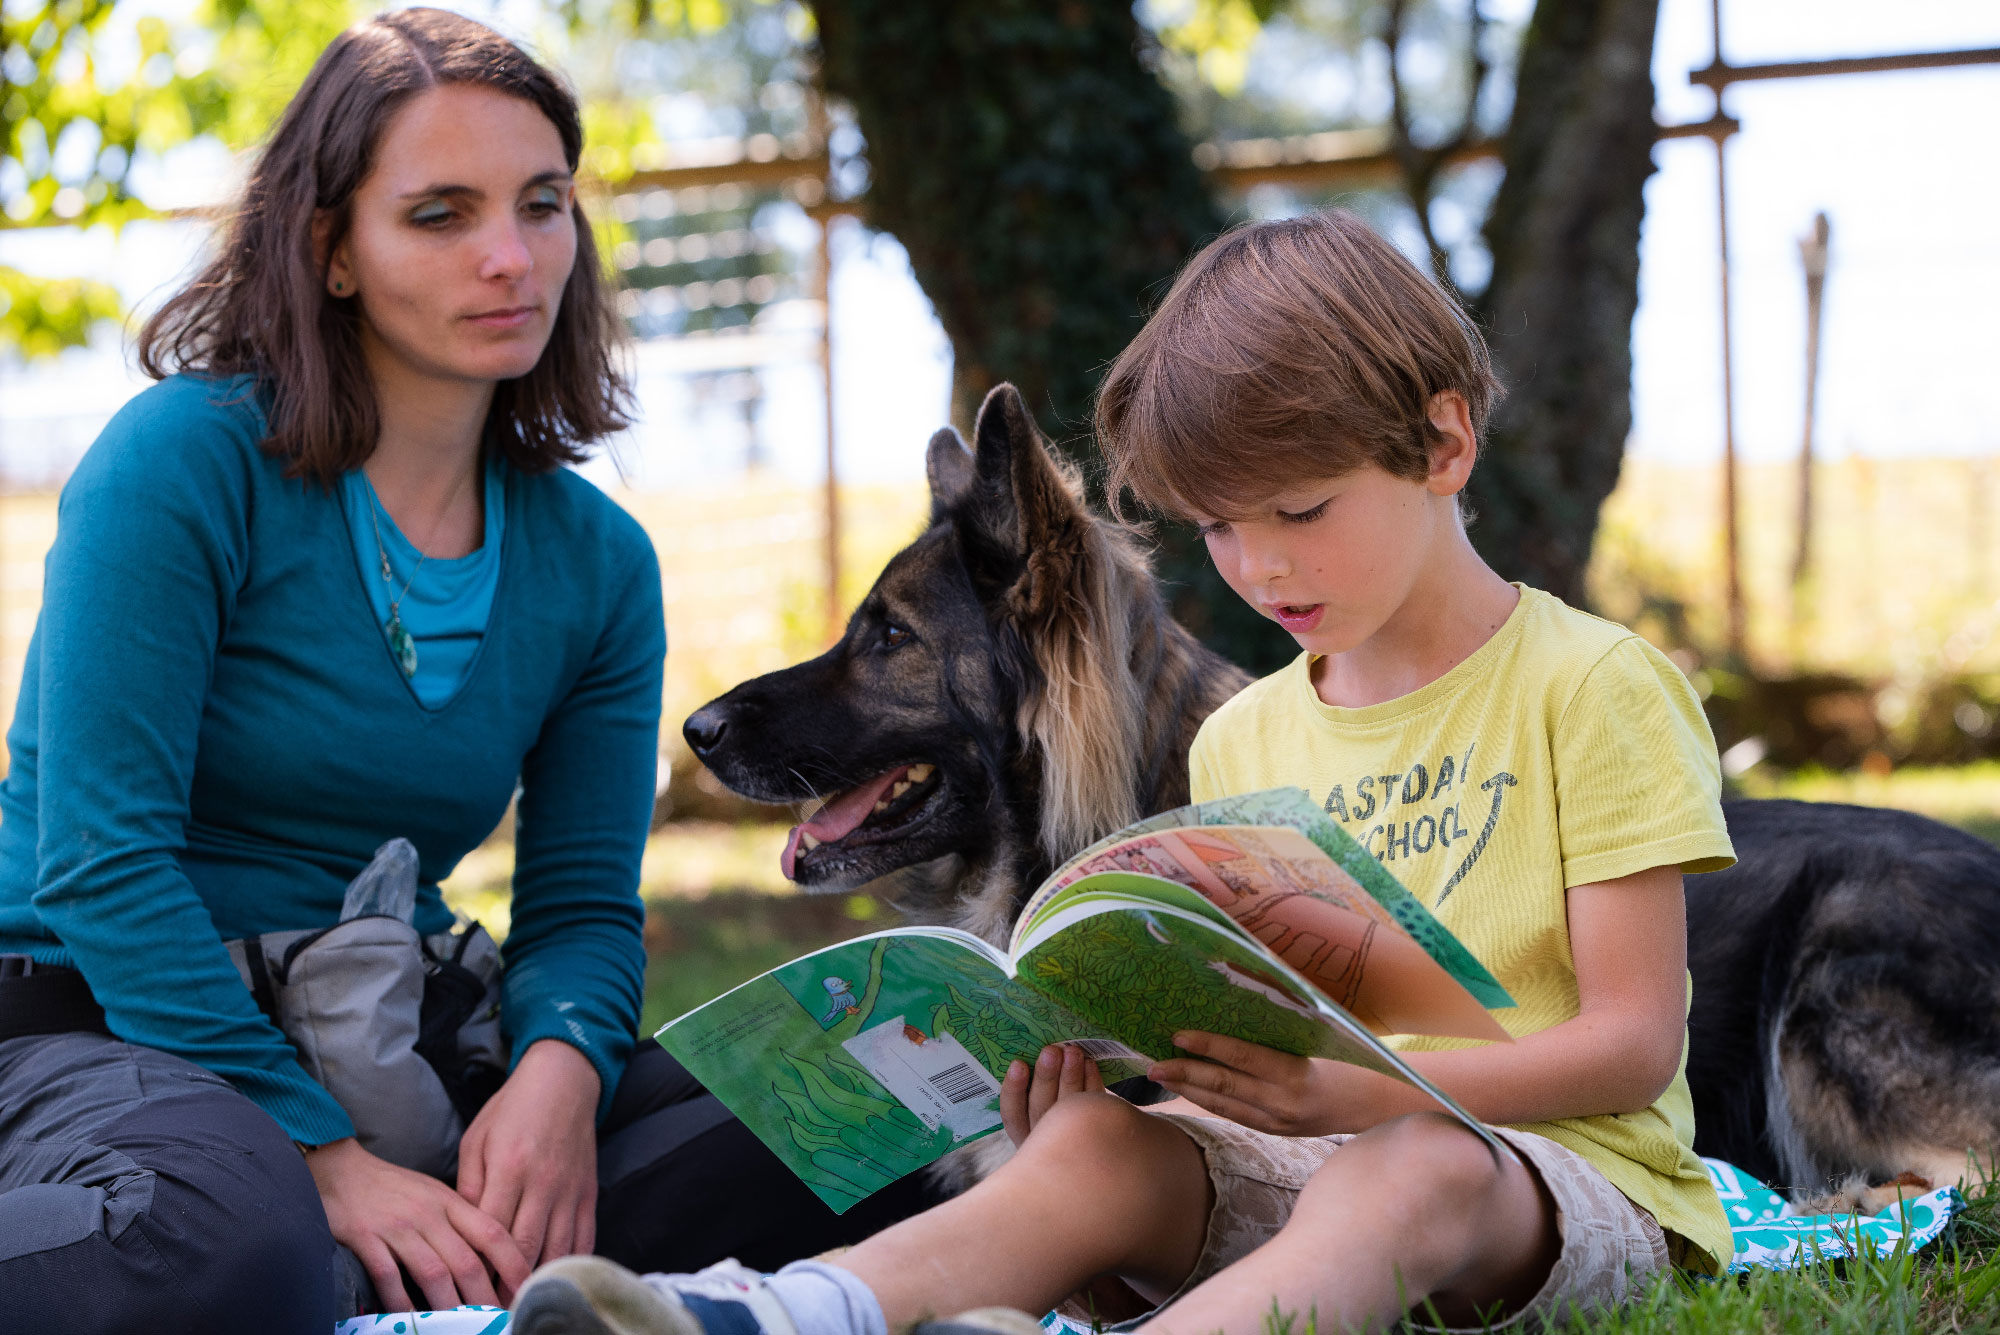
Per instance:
x=1539, y=777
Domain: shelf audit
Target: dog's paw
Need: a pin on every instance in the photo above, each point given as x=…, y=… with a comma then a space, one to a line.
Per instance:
x=1857, y=1195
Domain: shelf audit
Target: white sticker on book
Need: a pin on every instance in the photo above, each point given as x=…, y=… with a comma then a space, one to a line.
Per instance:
x=1107, y=1050
x=935, y=1078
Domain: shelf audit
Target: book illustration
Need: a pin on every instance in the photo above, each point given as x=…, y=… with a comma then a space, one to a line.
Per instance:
x=841, y=993
x=864, y=1061
x=844, y=1135
x=1282, y=889
x=1292, y=808
x=1101, y=966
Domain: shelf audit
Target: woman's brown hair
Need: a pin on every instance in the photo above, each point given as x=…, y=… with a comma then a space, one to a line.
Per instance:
x=261, y=308
x=1286, y=351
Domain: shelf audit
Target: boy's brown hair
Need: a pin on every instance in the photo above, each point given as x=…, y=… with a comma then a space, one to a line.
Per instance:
x=1288, y=350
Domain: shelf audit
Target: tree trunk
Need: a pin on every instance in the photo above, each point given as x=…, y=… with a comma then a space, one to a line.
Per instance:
x=1033, y=167
x=1564, y=234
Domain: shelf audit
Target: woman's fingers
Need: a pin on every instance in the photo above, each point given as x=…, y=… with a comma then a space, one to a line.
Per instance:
x=533, y=1221
x=383, y=1273
x=583, y=1237
x=472, y=1162
x=1093, y=1078
x=452, y=1273
x=500, y=1193
x=492, y=1241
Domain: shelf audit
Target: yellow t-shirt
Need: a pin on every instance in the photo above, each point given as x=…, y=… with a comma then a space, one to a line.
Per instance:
x=1565, y=750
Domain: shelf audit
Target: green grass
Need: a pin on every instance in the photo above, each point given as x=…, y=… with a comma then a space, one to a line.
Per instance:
x=697, y=949
x=1967, y=796
x=1952, y=1285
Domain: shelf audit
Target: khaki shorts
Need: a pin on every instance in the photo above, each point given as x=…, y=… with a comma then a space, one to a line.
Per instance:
x=1609, y=1245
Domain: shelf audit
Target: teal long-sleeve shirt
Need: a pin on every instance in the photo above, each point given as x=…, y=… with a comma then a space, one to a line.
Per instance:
x=212, y=738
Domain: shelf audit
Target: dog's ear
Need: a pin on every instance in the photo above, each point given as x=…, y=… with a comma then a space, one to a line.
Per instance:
x=948, y=465
x=1019, y=502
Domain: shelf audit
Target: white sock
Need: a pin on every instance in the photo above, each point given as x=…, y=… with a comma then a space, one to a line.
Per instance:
x=826, y=1300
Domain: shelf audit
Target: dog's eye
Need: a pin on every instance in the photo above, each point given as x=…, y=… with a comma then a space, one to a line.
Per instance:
x=894, y=637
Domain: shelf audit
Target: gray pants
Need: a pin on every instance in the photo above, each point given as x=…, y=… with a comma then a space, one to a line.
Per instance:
x=138, y=1191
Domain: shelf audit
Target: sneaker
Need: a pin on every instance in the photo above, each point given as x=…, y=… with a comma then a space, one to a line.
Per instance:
x=588, y=1295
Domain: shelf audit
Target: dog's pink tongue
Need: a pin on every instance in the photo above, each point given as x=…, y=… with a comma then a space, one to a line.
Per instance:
x=838, y=818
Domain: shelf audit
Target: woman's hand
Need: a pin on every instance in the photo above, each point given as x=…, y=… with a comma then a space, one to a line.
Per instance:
x=1028, y=1093
x=1267, y=1090
x=395, y=1219
x=529, y=1159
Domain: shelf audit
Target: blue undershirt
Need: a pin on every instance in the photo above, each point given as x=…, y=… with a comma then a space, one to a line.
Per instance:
x=447, y=603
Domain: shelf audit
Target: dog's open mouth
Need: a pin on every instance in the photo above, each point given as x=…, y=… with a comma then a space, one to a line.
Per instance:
x=881, y=810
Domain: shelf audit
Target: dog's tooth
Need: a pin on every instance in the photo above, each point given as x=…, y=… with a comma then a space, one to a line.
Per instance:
x=921, y=773
x=807, y=842
x=881, y=807
x=900, y=788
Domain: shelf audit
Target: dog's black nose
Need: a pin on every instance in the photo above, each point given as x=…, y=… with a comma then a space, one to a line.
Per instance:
x=705, y=728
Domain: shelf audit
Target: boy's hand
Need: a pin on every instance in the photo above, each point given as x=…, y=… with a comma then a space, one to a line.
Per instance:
x=1028, y=1093
x=1260, y=1087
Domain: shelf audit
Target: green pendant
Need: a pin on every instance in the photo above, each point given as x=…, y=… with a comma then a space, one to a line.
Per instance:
x=402, y=646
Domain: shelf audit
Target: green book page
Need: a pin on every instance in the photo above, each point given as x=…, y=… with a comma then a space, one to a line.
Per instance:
x=865, y=1061
x=1291, y=807
x=1125, y=887
x=1146, y=973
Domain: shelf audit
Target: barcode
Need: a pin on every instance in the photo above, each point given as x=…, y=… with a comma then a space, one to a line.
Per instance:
x=1104, y=1049
x=963, y=1083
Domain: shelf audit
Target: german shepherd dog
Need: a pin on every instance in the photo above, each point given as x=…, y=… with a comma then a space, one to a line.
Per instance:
x=1013, y=688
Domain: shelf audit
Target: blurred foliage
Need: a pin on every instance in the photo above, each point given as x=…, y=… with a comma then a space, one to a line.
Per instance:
x=42, y=316
x=1218, y=34
x=92, y=96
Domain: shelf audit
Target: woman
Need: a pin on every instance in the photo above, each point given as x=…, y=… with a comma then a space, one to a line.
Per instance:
x=324, y=585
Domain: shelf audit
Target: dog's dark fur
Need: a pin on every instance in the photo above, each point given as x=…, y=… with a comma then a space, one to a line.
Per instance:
x=1846, y=1022
x=1846, y=1019
x=1020, y=646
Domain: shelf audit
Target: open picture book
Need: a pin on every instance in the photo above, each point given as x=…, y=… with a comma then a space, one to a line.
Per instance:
x=1255, y=917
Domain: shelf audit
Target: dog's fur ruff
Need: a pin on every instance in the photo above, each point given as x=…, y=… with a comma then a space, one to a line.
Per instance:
x=1846, y=1019
x=1021, y=646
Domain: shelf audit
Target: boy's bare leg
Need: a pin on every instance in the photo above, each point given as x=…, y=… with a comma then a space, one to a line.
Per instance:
x=1415, y=1208
x=1099, y=1186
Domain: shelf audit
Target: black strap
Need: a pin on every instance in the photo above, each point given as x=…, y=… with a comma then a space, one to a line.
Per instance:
x=260, y=977
x=48, y=1001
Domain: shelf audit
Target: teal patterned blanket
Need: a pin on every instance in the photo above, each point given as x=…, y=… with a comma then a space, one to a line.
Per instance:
x=1769, y=1239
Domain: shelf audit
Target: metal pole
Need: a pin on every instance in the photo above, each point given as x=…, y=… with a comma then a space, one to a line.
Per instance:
x=826, y=211
x=824, y=283
x=1813, y=253
x=1731, y=548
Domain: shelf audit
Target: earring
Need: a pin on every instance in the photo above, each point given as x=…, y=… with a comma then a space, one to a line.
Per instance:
x=339, y=288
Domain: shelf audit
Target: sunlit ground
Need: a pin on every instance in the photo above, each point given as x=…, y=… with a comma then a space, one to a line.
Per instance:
x=1967, y=796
